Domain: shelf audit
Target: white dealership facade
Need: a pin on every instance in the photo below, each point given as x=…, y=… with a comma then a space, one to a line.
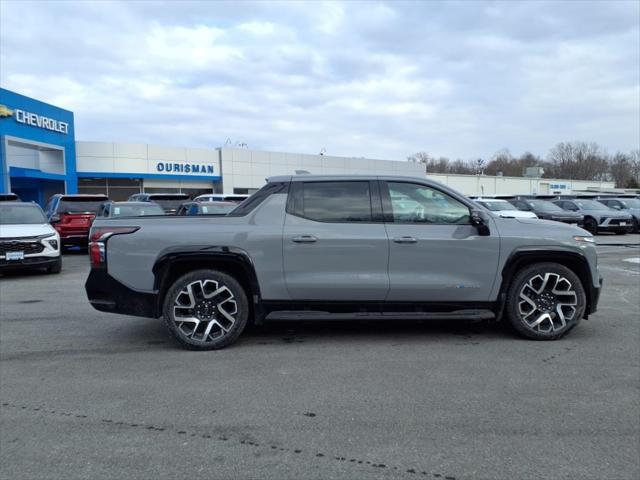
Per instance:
x=120, y=169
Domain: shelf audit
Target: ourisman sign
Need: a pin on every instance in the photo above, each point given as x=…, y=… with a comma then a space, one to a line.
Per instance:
x=41, y=121
x=184, y=168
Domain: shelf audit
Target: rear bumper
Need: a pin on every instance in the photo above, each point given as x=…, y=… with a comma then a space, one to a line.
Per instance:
x=106, y=294
x=72, y=239
x=73, y=236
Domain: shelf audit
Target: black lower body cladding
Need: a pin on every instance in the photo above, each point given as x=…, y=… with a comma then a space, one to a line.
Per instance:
x=107, y=294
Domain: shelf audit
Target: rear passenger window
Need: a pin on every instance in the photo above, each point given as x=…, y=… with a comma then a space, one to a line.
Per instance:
x=336, y=201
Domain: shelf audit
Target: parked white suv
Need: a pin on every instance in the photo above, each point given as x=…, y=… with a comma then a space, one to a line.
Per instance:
x=503, y=208
x=26, y=238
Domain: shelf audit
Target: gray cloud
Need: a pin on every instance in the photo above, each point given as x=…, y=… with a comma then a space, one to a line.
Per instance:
x=461, y=79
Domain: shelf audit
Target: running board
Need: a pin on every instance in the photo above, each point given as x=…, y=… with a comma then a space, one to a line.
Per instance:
x=285, y=315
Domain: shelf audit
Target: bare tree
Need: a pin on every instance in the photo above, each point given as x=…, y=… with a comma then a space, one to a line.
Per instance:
x=573, y=160
x=578, y=160
x=621, y=169
x=635, y=168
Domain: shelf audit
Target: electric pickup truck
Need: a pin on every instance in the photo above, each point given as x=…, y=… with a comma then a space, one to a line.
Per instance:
x=344, y=247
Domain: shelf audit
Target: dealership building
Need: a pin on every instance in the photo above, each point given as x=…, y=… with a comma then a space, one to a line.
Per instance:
x=39, y=156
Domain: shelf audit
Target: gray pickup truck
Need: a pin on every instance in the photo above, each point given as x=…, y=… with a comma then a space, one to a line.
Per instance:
x=361, y=247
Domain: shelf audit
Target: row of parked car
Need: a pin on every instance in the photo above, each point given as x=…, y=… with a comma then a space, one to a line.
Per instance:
x=30, y=236
x=33, y=238
x=604, y=213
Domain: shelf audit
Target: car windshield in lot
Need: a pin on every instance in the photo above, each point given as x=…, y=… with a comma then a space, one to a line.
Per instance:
x=217, y=208
x=590, y=205
x=496, y=205
x=169, y=202
x=545, y=206
x=21, y=215
x=123, y=210
x=72, y=205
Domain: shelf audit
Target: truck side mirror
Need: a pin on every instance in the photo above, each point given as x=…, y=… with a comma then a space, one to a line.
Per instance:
x=480, y=220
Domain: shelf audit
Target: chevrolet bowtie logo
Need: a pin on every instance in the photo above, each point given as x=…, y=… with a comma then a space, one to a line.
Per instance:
x=5, y=112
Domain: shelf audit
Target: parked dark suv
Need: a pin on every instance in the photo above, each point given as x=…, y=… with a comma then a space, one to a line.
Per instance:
x=625, y=204
x=598, y=217
x=170, y=202
x=72, y=216
x=546, y=210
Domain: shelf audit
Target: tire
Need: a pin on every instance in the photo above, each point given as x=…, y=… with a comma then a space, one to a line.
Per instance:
x=555, y=314
x=56, y=267
x=591, y=225
x=636, y=226
x=215, y=305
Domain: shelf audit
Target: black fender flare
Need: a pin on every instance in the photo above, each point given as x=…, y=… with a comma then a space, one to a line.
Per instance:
x=171, y=257
x=564, y=256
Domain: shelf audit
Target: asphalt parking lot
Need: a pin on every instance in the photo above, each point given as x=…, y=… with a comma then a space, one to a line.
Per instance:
x=92, y=395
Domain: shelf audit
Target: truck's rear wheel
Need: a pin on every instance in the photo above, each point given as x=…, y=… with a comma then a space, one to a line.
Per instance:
x=206, y=310
x=545, y=301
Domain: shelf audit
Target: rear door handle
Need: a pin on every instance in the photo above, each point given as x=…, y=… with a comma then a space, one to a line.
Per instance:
x=304, y=239
x=405, y=239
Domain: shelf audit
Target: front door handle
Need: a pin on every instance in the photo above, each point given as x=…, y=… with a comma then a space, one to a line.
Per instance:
x=304, y=239
x=405, y=239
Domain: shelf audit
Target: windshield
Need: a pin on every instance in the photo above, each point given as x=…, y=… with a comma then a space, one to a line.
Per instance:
x=172, y=204
x=545, y=206
x=590, y=205
x=80, y=205
x=497, y=206
x=631, y=202
x=21, y=215
x=136, y=210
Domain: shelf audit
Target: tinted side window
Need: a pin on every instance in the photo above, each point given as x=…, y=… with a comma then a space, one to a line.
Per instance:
x=414, y=203
x=520, y=205
x=336, y=201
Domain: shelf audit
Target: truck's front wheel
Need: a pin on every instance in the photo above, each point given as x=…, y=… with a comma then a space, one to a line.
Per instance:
x=206, y=309
x=545, y=301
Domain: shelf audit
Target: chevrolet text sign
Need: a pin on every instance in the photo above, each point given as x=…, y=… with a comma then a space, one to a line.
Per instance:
x=41, y=121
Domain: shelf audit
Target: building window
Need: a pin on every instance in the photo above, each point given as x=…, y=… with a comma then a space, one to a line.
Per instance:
x=244, y=191
x=117, y=189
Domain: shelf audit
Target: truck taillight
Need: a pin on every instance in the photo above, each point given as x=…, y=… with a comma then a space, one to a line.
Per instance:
x=98, y=242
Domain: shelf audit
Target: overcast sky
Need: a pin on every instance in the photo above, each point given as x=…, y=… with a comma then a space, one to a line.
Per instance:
x=380, y=79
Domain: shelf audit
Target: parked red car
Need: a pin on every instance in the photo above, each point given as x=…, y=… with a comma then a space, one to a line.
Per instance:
x=72, y=216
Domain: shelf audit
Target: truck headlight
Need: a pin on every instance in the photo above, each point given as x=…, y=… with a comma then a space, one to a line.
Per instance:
x=582, y=238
